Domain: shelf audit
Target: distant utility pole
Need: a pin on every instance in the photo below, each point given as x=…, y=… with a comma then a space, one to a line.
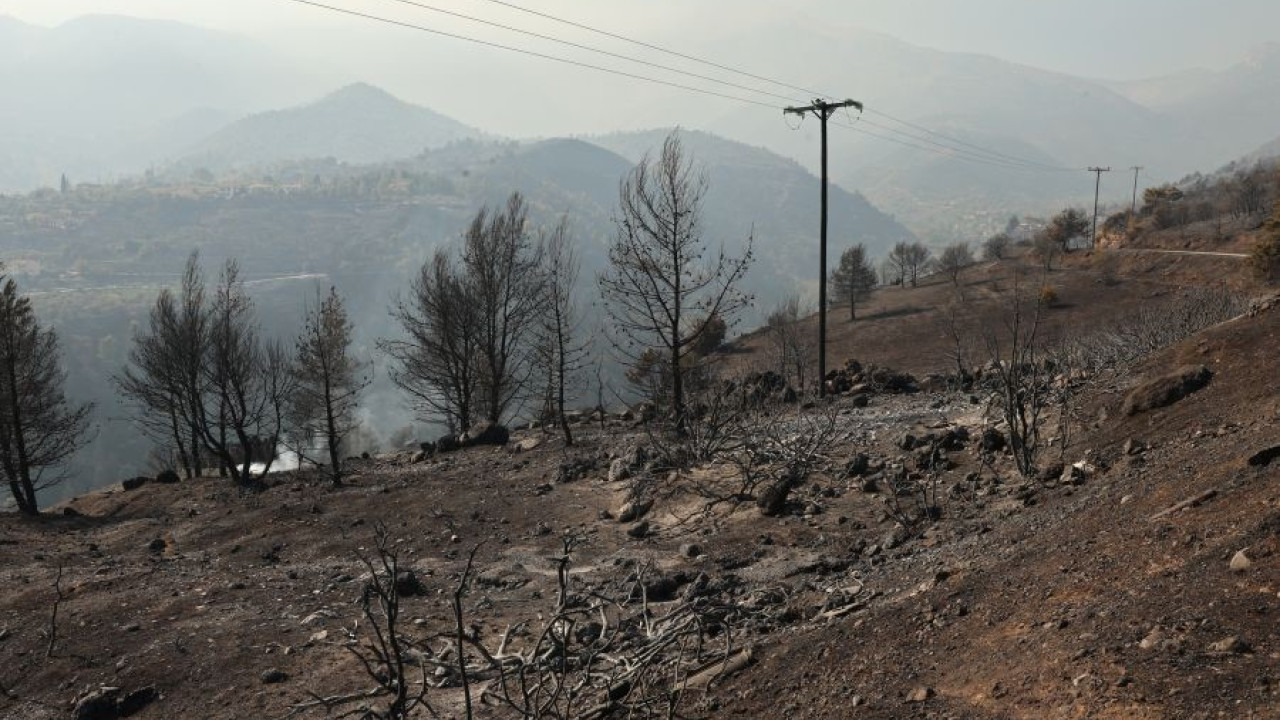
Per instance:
x=1136, y=169
x=1097, y=188
x=822, y=110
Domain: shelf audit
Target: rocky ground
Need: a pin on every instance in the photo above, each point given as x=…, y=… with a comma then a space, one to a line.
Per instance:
x=1140, y=578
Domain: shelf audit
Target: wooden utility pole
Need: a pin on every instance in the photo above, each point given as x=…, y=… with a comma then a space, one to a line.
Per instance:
x=1136, y=169
x=1097, y=188
x=822, y=110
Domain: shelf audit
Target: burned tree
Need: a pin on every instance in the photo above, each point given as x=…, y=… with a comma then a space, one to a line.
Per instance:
x=854, y=279
x=435, y=363
x=661, y=291
x=908, y=261
x=560, y=352
x=246, y=384
x=1021, y=378
x=501, y=264
x=954, y=259
x=329, y=380
x=39, y=427
x=1065, y=227
x=792, y=346
x=165, y=375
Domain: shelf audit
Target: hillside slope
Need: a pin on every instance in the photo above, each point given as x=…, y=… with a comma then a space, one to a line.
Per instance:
x=357, y=124
x=1110, y=593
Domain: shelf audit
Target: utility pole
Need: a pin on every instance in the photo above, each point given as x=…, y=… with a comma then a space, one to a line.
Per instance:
x=1136, y=169
x=1097, y=188
x=822, y=110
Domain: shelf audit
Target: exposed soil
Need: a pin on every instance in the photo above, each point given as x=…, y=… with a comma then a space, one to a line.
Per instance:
x=1058, y=598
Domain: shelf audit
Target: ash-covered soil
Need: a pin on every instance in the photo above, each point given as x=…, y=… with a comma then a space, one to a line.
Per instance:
x=1145, y=584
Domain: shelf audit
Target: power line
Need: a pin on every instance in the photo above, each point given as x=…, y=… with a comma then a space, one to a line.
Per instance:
x=937, y=148
x=658, y=48
x=995, y=155
x=531, y=53
x=962, y=153
x=589, y=48
x=958, y=141
x=945, y=152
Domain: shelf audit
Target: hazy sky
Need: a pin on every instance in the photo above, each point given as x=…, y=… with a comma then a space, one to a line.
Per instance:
x=1114, y=39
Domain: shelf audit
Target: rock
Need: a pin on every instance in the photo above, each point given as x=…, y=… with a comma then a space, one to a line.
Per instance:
x=1167, y=390
x=527, y=444
x=921, y=694
x=408, y=584
x=1263, y=458
x=1132, y=447
x=1074, y=474
x=1152, y=640
x=486, y=434
x=993, y=440
x=639, y=530
x=860, y=400
x=573, y=470
x=773, y=501
x=691, y=550
x=664, y=588
x=1240, y=562
x=156, y=545
x=618, y=470
x=133, y=703
x=273, y=676
x=1233, y=645
x=134, y=483
x=1052, y=472
x=167, y=477
x=632, y=511
x=857, y=465
x=100, y=704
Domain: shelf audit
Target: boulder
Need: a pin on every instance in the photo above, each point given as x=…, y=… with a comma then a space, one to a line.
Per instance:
x=100, y=704
x=486, y=434
x=408, y=584
x=1167, y=390
x=1263, y=458
x=773, y=501
x=1240, y=562
x=133, y=703
x=632, y=510
x=619, y=470
x=575, y=469
x=639, y=530
x=447, y=444
x=920, y=694
x=993, y=440
x=858, y=465
x=273, y=676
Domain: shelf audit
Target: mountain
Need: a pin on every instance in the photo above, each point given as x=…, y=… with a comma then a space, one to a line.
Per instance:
x=358, y=123
x=1043, y=116
x=756, y=191
x=85, y=97
x=1268, y=151
x=1230, y=111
